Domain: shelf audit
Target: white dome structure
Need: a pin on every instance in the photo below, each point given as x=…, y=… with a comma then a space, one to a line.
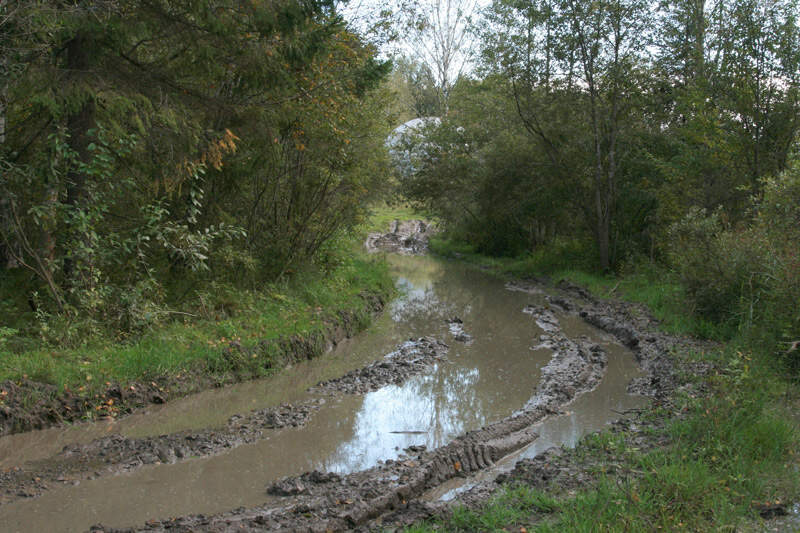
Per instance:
x=415, y=126
x=406, y=141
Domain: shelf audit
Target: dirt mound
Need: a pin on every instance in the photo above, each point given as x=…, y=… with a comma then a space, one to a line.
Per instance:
x=407, y=237
x=411, y=357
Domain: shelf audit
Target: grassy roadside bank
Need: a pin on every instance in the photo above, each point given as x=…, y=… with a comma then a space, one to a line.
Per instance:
x=236, y=335
x=648, y=285
x=722, y=455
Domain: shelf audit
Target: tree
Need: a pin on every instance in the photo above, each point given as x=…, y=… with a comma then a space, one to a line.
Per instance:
x=729, y=86
x=575, y=64
x=759, y=67
x=148, y=137
x=416, y=81
x=441, y=38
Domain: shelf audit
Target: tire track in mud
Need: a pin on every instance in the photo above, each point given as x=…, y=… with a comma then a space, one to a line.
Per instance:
x=316, y=501
x=118, y=454
x=631, y=325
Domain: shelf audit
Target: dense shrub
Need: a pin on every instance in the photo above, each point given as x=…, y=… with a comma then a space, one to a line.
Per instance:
x=779, y=221
x=747, y=277
x=716, y=264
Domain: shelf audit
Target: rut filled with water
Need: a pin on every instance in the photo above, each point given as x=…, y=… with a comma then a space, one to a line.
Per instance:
x=491, y=368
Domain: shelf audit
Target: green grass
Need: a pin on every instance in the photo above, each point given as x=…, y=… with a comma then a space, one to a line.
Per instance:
x=564, y=254
x=224, y=315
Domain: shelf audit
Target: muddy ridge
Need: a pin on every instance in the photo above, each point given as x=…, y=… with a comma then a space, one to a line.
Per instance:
x=561, y=469
x=411, y=357
x=317, y=501
x=633, y=326
x=27, y=405
x=577, y=366
x=116, y=454
x=407, y=237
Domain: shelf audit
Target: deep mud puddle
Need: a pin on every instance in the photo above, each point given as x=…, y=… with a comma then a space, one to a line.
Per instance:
x=492, y=367
x=589, y=412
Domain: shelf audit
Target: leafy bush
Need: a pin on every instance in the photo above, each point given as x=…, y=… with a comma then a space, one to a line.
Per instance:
x=719, y=266
x=779, y=221
x=5, y=334
x=747, y=277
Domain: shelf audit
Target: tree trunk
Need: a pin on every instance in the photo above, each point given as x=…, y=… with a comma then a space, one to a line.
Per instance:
x=7, y=258
x=699, y=40
x=79, y=122
x=3, y=99
x=603, y=231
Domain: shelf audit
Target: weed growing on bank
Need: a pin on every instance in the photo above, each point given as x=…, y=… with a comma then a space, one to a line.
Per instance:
x=215, y=336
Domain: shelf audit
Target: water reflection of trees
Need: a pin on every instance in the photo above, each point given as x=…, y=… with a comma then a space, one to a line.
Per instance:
x=441, y=404
x=419, y=305
x=479, y=383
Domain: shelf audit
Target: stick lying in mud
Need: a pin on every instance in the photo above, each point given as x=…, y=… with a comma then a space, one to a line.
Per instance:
x=410, y=432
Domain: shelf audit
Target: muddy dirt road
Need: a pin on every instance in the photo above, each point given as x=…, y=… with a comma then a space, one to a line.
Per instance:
x=492, y=373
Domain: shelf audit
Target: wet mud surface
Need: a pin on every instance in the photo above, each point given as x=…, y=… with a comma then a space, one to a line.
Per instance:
x=317, y=501
x=410, y=358
x=391, y=488
x=563, y=470
x=408, y=237
x=117, y=454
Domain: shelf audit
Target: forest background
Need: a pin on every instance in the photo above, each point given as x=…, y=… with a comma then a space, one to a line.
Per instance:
x=188, y=163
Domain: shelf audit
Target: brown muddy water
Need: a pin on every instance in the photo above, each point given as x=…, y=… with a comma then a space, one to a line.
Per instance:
x=480, y=382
